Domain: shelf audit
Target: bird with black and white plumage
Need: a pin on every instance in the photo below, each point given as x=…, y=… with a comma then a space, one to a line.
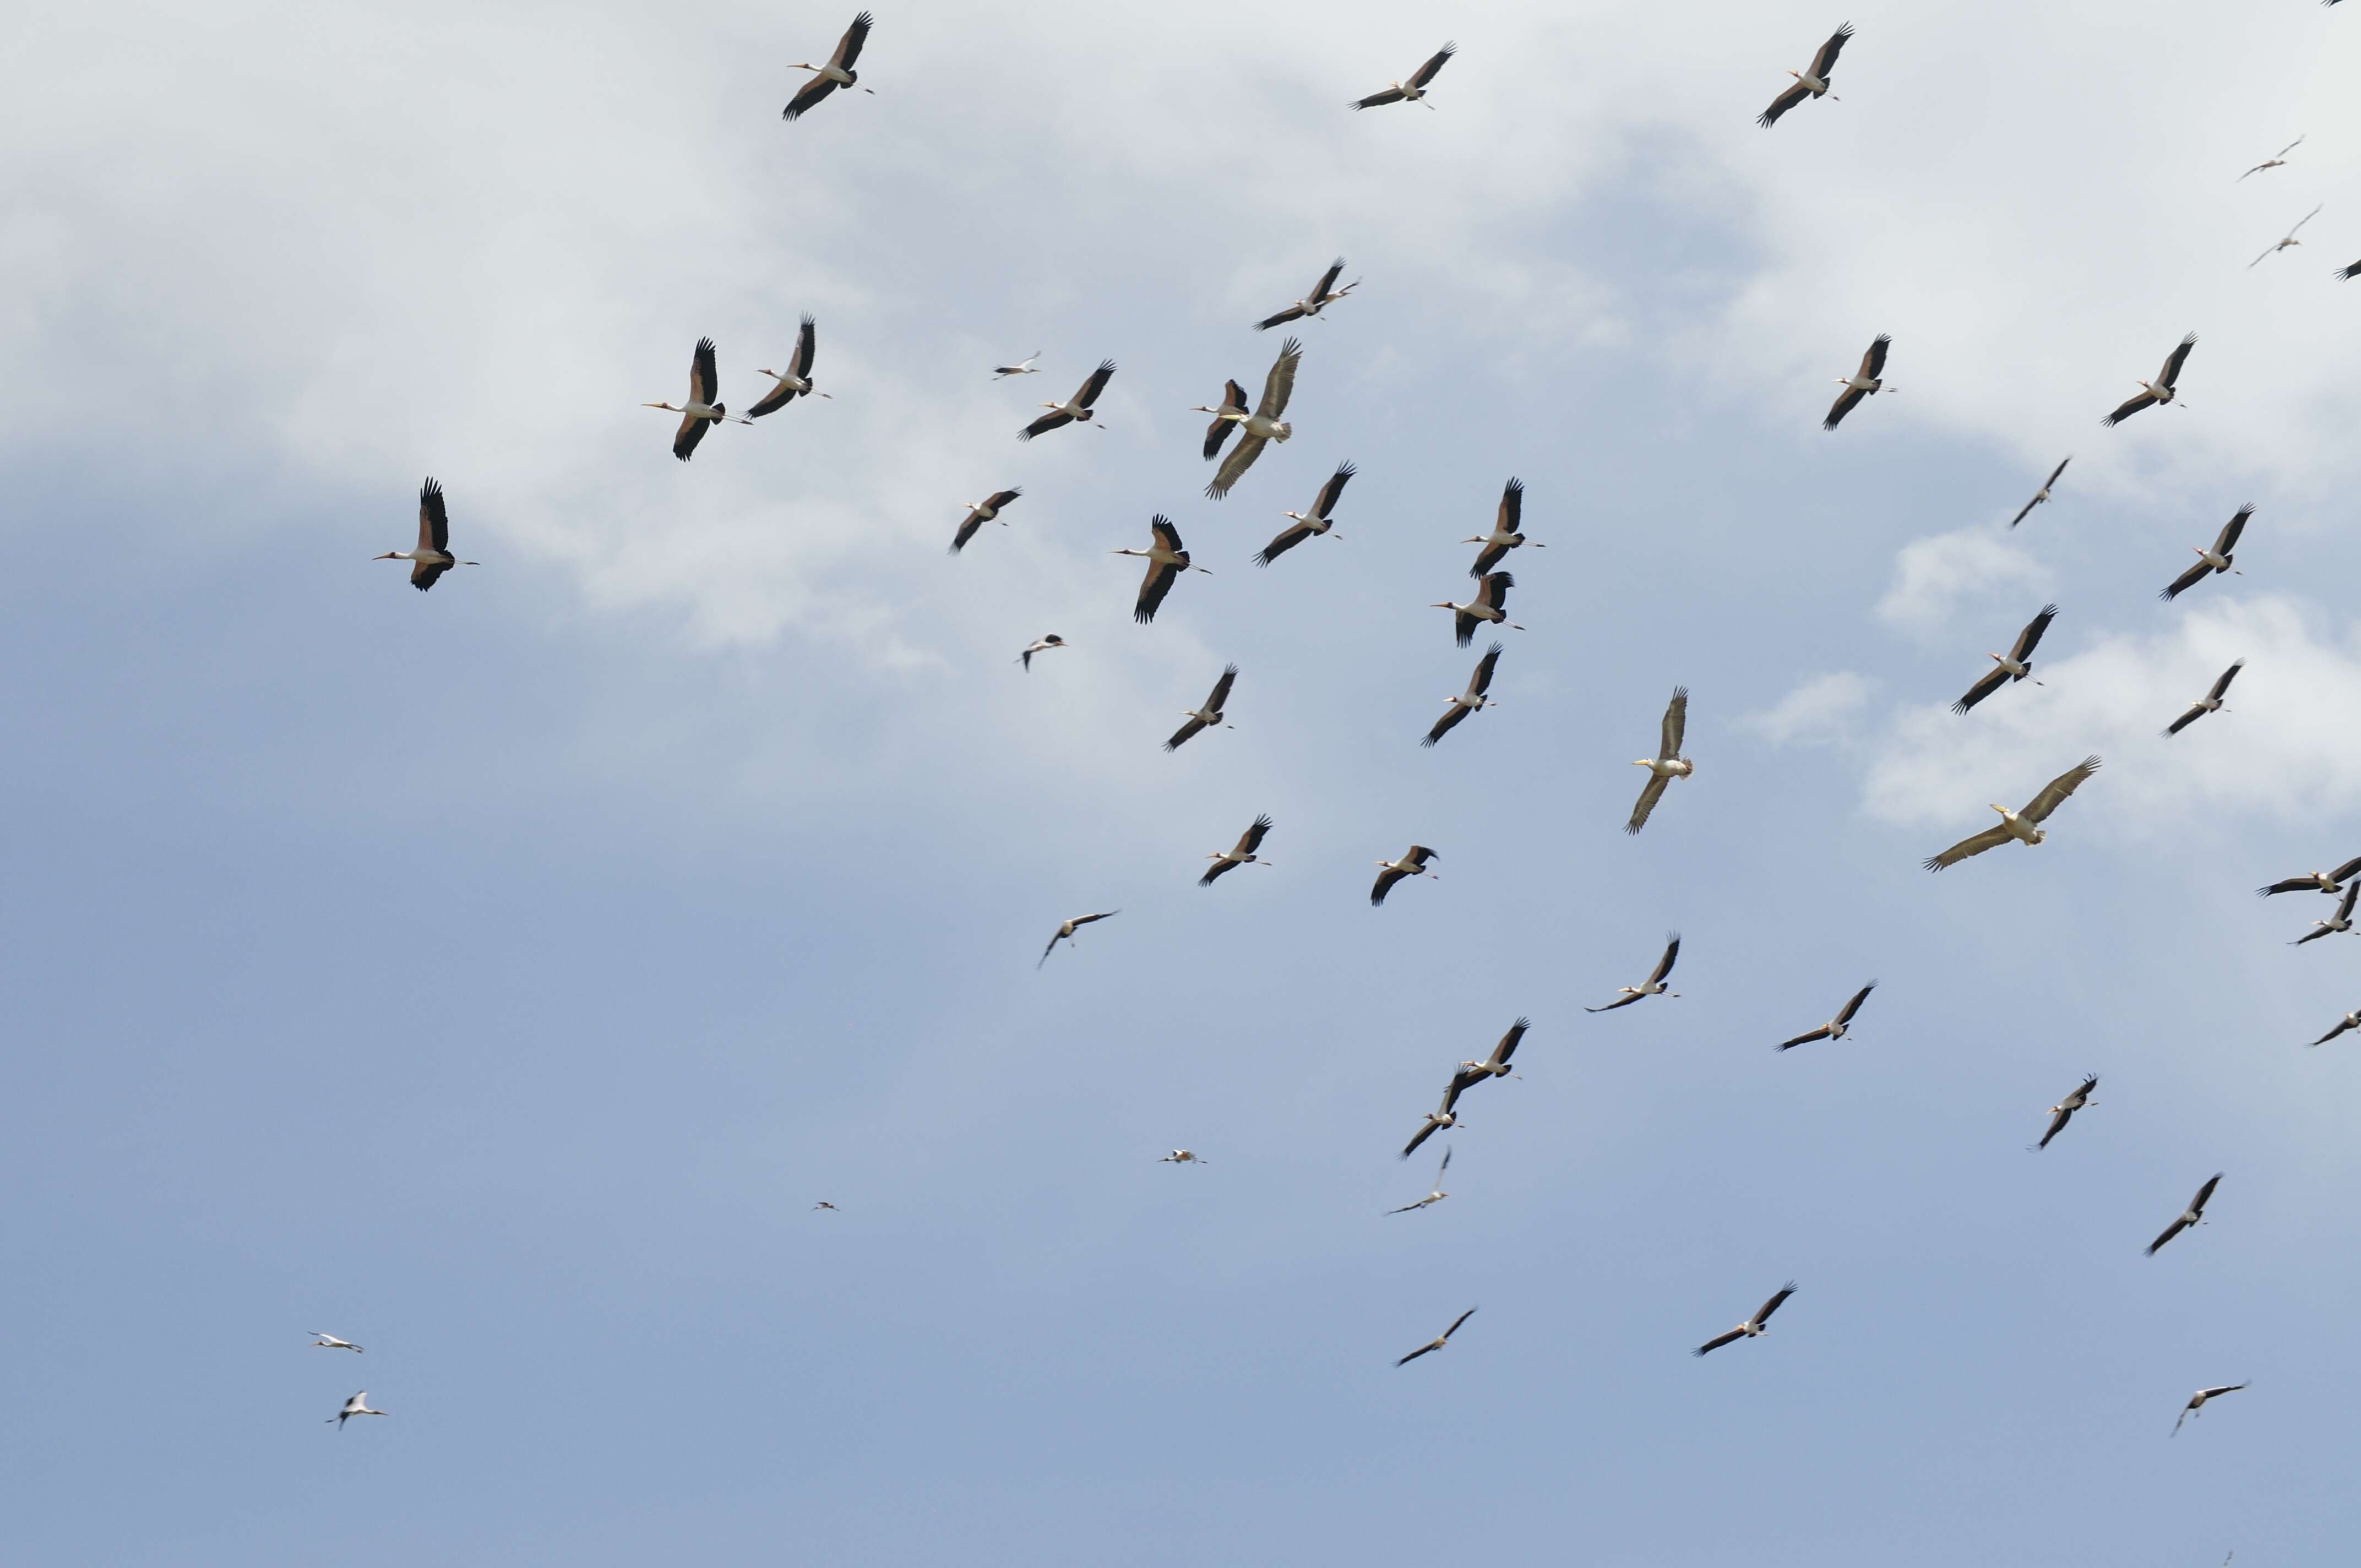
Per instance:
x=2197, y=1402
x=1444, y=1115
x=1835, y=1028
x=2024, y=826
x=1810, y=84
x=1166, y=558
x=1044, y=643
x=1653, y=985
x=1865, y=382
x=796, y=382
x=2351, y=1021
x=356, y=1405
x=1473, y=700
x=1241, y=854
x=2014, y=666
x=1024, y=367
x=1755, y=1327
x=1066, y=929
x=1504, y=1049
x=1489, y=606
x=330, y=1342
x=824, y=1203
x=1436, y=1196
x=1076, y=408
x=1207, y=717
x=2274, y=161
x=2210, y=703
x=1324, y=294
x=2041, y=495
x=981, y=513
x=2285, y=241
x=1411, y=864
x=2330, y=882
x=1413, y=91
x=1439, y=1341
x=1318, y=520
x=1667, y=765
x=430, y=557
x=2213, y=562
x=2165, y=388
x=1264, y=426
x=2192, y=1215
x=837, y=72
x=1181, y=1157
x=1508, y=525
x=2339, y=922
x=704, y=406
x=1232, y=408
x=2064, y=1112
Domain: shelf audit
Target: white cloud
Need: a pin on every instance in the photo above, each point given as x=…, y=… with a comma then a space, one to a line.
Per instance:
x=1934, y=577
x=1821, y=709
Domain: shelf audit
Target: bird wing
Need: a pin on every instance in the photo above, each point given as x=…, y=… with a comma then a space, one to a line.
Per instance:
x=1251, y=840
x=2176, y=359
x=1457, y=1321
x=1845, y=403
x=1047, y=950
x=2220, y=1389
x=1425, y=1131
x=1292, y=312
x=1426, y=73
x=2024, y=511
x=424, y=573
x=1090, y=920
x=1291, y=536
x=1241, y=458
x=1390, y=96
x=2030, y=637
x=772, y=401
x=1769, y=117
x=1419, y=855
x=2222, y=682
x=2344, y=907
x=1166, y=533
x=1327, y=279
x=2292, y=884
x=999, y=498
x=847, y=49
x=704, y=380
x=1975, y=844
x=2053, y=793
x=1495, y=591
x=2345, y=871
x=2341, y=1027
x=1325, y=502
x=806, y=346
x=1618, y=1002
x=1717, y=1340
x=2304, y=220
x=2195, y=713
x=1511, y=516
x=2227, y=540
x=1090, y=390
x=1676, y=726
x=2205, y=1194
x=1384, y=884
x=1217, y=433
x=2170, y=1231
x=2055, y=472
x=1444, y=725
x=1413, y=1356
x=1463, y=629
x=809, y=94
x=1873, y=363
x=2183, y=582
x=1764, y=1316
x=2349, y=273
x=1215, y=872
x=1854, y=1006
x=1821, y=1033
x=1481, y=681
x=1443, y=1167
x=1152, y=589
x=1825, y=62
x=685, y=439
x=1486, y=558
x=1650, y=793
x=1672, y=955
x=1510, y=1042
x=1184, y=733
x=1049, y=421
x=2129, y=406
x=1280, y=382
x=1991, y=682
x=433, y=523
x=2058, y=1121
x=1221, y=697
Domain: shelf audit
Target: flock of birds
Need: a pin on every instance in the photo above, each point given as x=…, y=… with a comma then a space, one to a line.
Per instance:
x=1246, y=429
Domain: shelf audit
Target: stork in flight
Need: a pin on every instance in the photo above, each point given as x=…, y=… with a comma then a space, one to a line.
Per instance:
x=1506, y=535
x=2165, y=388
x=1181, y=1157
x=356, y=1406
x=2213, y=562
x=1865, y=382
x=430, y=557
x=2192, y=1215
x=2042, y=494
x=1243, y=853
x=1024, y=366
x=1207, y=717
x=704, y=406
x=1306, y=524
x=1166, y=558
x=2316, y=882
x=1077, y=407
x=1225, y=418
x=837, y=72
x=795, y=380
x=1752, y=1328
x=1811, y=84
x=824, y=1203
x=1436, y=1196
x=1066, y=929
x=2350, y=1021
x=1472, y=700
x=2064, y=1112
x=1472, y=1073
x=2274, y=161
x=1667, y=765
x=981, y=513
x=2210, y=703
x=1444, y=1115
x=1439, y=1341
x=2197, y=1403
x=1324, y=294
x=1260, y=428
x=1835, y=1028
x=2024, y=826
x=1490, y=604
x=1411, y=864
x=1653, y=985
x=330, y=1342
x=2014, y=666
x=1041, y=644
x=2341, y=921
x=2285, y=241
x=1414, y=90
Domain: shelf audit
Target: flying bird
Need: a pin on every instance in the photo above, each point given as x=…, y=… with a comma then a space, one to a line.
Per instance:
x=2214, y=560
x=1439, y=1341
x=2064, y=1112
x=1306, y=524
x=2341, y=921
x=1225, y=418
x=1241, y=854
x=981, y=513
x=1324, y=294
x=1166, y=559
x=1445, y=1114
x=1077, y=407
x=2210, y=702
x=1505, y=535
x=1437, y=1196
x=2163, y=389
x=1653, y=985
x=2014, y=666
x=1472, y=700
x=1753, y=1327
x=1181, y=1157
x=2192, y=1215
x=2273, y=162
x=2316, y=882
x=1835, y=1028
x=1209, y=715
x=2042, y=494
x=356, y=1406
x=1667, y=765
x=1066, y=929
x=1811, y=84
x=330, y=1342
x=1411, y=864
x=1263, y=426
x=1024, y=366
x=2285, y=241
x=2022, y=826
x=1865, y=382
x=837, y=72
x=1490, y=604
x=795, y=380
x=432, y=556
x=824, y=1203
x=2197, y=1403
x=1472, y=1073
x=1414, y=90
x=1041, y=644
x=2350, y=1021
x=704, y=406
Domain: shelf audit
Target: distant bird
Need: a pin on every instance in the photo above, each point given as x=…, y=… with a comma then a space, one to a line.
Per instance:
x=704, y=406
x=1472, y=1073
x=1209, y=715
x=1181, y=1157
x=1241, y=854
x=2064, y=1112
x=2197, y=1403
x=330, y=1342
x=1490, y=604
x=837, y=72
x=1414, y=90
x=1445, y=1114
x=1811, y=84
x=1865, y=382
x=1653, y=985
x=2214, y=560
x=356, y=1406
x=1667, y=765
x=1505, y=535
x=1439, y=1341
x=2022, y=826
x=1437, y=1196
x=2285, y=241
x=824, y=1203
x=1263, y=426
x=2341, y=921
x=1077, y=407
x=2042, y=494
x=2316, y=882
x=2192, y=1215
x=1041, y=644
x=430, y=557
x=1411, y=864
x=1306, y=524
x=1753, y=1327
x=981, y=513
x=1066, y=929
x=795, y=380
x=2014, y=666
x=1835, y=1028
x=2163, y=389
x=1166, y=559
x=1324, y=294
x=2210, y=703
x=2276, y=159
x=2350, y=1021
x=1024, y=366
x=1472, y=700
x=1225, y=418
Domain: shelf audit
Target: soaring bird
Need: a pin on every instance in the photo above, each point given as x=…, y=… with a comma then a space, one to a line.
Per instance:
x=1432, y=1198
x=1472, y=700
x=1653, y=985
x=1241, y=854
x=1024, y=366
x=2350, y=1021
x=1411, y=864
x=1181, y=1157
x=1306, y=524
x=2165, y=388
x=356, y=1406
x=1445, y=1114
x=2014, y=666
x=837, y=72
x=1439, y=1341
x=1066, y=929
x=330, y=1342
x=1166, y=558
x=1490, y=604
x=1209, y=715
x=2285, y=241
x=796, y=382
x=1263, y=426
x=2214, y=560
x=2341, y=921
x=1077, y=407
x=1835, y=1028
x=2273, y=162
x=1811, y=84
x=1667, y=765
x=2197, y=1403
x=1506, y=533
x=2042, y=494
x=2064, y=1112
x=824, y=1203
x=1472, y=1073
x=1225, y=418
x=2316, y=882
x=2210, y=702
x=1324, y=294
x=704, y=406
x=1753, y=1327
x=981, y=513
x=1865, y=382
x=432, y=555
x=1414, y=90
x=2192, y=1215
x=2022, y=826
x=1041, y=644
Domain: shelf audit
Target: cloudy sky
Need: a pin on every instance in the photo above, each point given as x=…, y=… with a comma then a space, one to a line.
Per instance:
x=497, y=977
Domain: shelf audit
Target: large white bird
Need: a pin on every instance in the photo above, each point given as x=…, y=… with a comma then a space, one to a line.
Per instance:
x=1207, y=717
x=1439, y=1341
x=2213, y=562
x=1411, y=864
x=2341, y=921
x=2064, y=1112
x=2040, y=494
x=2197, y=1403
x=1306, y=524
x=981, y=513
x=1066, y=929
x=1324, y=294
x=2274, y=161
x=2350, y=1021
x=1181, y=1157
x=1444, y=1115
x=837, y=72
x=1436, y=1196
x=1241, y=854
x=1835, y=1028
x=1472, y=1073
x=2165, y=388
x=2316, y=882
x=1473, y=700
x=1667, y=765
x=2210, y=703
x=1865, y=382
x=795, y=380
x=1810, y=84
x=1076, y=408
x=1166, y=558
x=330, y=1342
x=432, y=555
x=2192, y=1215
x=1508, y=529
x=1414, y=90
x=1024, y=367
x=1264, y=426
x=2024, y=826
x=2014, y=666
x=1653, y=985
x=2288, y=240
x=356, y=1406
x=1233, y=408
x=1044, y=643
x=1489, y=606
x=704, y=407
x=1755, y=1327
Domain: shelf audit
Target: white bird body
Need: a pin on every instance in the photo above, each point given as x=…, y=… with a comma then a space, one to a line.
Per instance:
x=1437, y=1196
x=1181, y=1157
x=1024, y=367
x=1043, y=644
x=330, y=1342
x=356, y=1406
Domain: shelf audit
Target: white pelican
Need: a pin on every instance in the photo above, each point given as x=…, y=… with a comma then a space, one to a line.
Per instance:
x=1490, y=604
x=1306, y=524
x=2163, y=389
x=2064, y=1112
x=1436, y=1196
x=2014, y=666
x=1411, y=864
x=837, y=72
x=2022, y=826
x=1753, y=1327
x=2192, y=1215
x=1077, y=407
x=1472, y=1073
x=1445, y=1114
x=2350, y=1021
x=1209, y=715
x=1865, y=382
x=1439, y=1341
x=1024, y=366
x=1041, y=644
x=2214, y=560
x=432, y=556
x=2042, y=494
x=1225, y=418
x=1263, y=426
x=1667, y=765
x=1653, y=985
x=2340, y=921
x=330, y=1342
x=1505, y=535
x=1472, y=700
x=2287, y=240
x=1324, y=294
x=1835, y=1028
x=2210, y=703
x=1811, y=84
x=2316, y=882
x=1166, y=558
x=2274, y=161
x=1414, y=90
x=1181, y=1157
x=981, y=513
x=1066, y=929
x=795, y=380
x=704, y=406
x=2197, y=1403
x=356, y=1406
x=1241, y=854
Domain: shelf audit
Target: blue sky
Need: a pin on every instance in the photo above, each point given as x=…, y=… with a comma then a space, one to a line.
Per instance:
x=495, y=977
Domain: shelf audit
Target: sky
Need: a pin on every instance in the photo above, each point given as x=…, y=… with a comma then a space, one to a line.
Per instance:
x=497, y=977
